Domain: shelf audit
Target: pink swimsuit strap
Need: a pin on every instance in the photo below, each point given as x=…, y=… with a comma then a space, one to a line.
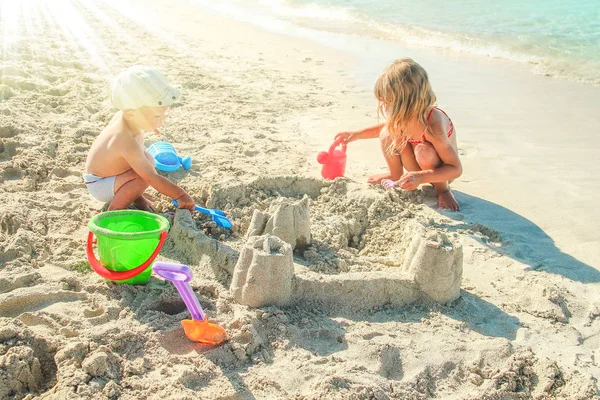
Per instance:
x=423, y=140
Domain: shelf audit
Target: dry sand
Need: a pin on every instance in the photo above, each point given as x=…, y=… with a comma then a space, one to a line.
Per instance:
x=256, y=108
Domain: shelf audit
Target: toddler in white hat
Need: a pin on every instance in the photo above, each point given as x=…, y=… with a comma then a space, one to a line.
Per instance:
x=118, y=168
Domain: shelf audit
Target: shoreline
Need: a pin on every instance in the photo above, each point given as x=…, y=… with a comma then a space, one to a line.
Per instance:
x=323, y=21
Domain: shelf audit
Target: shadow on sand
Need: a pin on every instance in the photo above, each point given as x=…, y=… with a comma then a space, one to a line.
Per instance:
x=483, y=317
x=478, y=314
x=522, y=240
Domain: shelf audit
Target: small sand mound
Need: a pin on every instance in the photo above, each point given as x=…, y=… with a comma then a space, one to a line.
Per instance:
x=26, y=365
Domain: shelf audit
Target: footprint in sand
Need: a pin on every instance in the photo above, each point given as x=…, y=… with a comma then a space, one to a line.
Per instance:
x=7, y=150
x=5, y=92
x=390, y=363
x=13, y=71
x=19, y=83
x=65, y=64
x=40, y=323
x=8, y=131
x=93, y=312
x=24, y=300
x=15, y=282
x=63, y=172
x=58, y=91
x=11, y=174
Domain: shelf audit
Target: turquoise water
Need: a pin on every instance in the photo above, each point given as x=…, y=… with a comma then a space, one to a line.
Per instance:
x=559, y=38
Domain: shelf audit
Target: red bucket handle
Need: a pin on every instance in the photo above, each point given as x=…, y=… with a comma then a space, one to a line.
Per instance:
x=336, y=144
x=120, y=275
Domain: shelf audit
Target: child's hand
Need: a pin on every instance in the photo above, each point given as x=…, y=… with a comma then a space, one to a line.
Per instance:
x=410, y=180
x=346, y=137
x=185, y=201
x=388, y=184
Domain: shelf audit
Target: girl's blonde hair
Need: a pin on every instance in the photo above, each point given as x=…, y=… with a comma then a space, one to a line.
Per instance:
x=403, y=91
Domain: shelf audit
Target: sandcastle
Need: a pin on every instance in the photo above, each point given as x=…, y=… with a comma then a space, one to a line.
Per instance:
x=427, y=267
x=290, y=221
x=264, y=272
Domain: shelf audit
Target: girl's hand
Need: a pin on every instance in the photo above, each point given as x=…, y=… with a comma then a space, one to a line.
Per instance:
x=410, y=180
x=346, y=137
x=388, y=184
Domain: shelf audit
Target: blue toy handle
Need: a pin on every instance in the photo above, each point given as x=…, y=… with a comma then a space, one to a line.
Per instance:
x=207, y=211
x=186, y=162
x=197, y=208
x=218, y=216
x=203, y=210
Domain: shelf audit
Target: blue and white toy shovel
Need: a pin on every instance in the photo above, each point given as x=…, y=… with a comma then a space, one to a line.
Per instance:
x=218, y=216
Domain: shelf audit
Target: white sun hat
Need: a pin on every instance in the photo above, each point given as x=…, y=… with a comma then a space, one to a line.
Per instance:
x=140, y=86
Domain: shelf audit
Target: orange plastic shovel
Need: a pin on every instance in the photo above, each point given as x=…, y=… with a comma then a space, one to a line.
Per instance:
x=197, y=329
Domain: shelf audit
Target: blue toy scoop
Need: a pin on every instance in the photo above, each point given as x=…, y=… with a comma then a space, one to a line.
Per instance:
x=218, y=216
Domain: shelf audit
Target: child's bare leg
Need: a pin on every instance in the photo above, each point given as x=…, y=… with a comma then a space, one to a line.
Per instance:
x=428, y=158
x=393, y=161
x=144, y=201
x=129, y=188
x=408, y=158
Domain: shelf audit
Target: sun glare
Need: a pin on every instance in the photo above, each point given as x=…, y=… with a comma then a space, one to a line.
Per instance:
x=23, y=21
x=78, y=29
x=9, y=11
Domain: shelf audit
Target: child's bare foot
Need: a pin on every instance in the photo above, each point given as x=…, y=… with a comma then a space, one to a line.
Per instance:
x=446, y=200
x=376, y=179
x=143, y=203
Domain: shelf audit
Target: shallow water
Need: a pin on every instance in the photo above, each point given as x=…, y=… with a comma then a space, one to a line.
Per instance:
x=559, y=38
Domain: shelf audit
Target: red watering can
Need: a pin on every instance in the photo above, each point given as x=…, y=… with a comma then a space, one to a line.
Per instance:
x=334, y=161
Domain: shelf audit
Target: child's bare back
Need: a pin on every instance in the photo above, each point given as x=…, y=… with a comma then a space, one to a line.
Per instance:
x=105, y=157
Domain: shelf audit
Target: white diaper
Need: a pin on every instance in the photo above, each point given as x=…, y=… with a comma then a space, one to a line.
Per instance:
x=102, y=189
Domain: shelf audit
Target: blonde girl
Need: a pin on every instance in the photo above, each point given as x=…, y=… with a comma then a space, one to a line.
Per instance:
x=417, y=137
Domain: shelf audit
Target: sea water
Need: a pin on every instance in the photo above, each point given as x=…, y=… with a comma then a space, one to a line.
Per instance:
x=558, y=38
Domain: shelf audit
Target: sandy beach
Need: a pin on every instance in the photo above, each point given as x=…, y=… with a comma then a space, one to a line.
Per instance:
x=258, y=104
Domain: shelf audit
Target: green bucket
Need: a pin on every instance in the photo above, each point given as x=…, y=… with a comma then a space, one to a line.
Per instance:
x=128, y=243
